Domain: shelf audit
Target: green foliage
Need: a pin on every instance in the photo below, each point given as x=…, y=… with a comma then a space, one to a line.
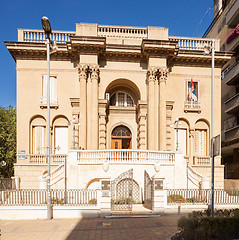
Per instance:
x=7, y=140
x=200, y=225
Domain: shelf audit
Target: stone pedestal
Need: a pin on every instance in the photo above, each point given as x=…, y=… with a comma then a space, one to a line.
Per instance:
x=158, y=196
x=105, y=204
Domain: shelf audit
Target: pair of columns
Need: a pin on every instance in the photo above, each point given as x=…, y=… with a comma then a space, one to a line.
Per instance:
x=89, y=79
x=156, y=80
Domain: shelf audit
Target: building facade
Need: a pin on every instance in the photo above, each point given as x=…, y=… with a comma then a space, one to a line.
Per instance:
x=121, y=97
x=225, y=28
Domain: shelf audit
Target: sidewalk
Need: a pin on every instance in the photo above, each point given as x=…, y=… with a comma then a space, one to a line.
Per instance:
x=91, y=229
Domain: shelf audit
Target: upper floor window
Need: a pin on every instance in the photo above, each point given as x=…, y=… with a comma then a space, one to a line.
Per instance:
x=192, y=97
x=121, y=99
x=53, y=90
x=192, y=91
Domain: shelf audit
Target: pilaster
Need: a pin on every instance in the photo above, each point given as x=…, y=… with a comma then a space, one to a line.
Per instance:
x=93, y=112
x=103, y=104
x=82, y=70
x=162, y=108
x=151, y=78
x=141, y=120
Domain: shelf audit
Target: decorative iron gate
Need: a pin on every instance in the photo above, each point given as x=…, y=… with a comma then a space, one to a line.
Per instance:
x=148, y=191
x=122, y=192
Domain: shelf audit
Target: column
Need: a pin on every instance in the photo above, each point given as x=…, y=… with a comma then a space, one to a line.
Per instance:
x=89, y=112
x=94, y=139
x=141, y=120
x=103, y=103
x=82, y=69
x=151, y=76
x=162, y=108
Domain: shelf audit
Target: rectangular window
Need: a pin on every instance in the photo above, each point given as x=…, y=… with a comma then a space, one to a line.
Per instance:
x=38, y=140
x=61, y=140
x=192, y=91
x=201, y=143
x=53, y=90
x=181, y=141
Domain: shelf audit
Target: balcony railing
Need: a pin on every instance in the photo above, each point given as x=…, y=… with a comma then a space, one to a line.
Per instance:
x=125, y=155
x=123, y=32
x=34, y=35
x=187, y=43
x=232, y=134
x=192, y=106
x=201, y=160
x=232, y=104
x=232, y=74
x=41, y=158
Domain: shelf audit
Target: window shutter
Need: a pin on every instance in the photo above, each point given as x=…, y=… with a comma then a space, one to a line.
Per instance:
x=53, y=90
x=44, y=89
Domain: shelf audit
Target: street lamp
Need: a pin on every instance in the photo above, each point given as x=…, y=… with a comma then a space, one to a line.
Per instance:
x=208, y=50
x=47, y=28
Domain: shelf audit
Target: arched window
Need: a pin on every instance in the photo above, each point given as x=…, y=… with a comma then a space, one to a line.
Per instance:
x=121, y=131
x=121, y=99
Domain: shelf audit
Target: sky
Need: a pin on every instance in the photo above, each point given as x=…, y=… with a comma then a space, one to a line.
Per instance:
x=189, y=18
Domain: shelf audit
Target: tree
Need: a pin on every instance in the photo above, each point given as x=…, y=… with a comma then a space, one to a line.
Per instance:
x=7, y=140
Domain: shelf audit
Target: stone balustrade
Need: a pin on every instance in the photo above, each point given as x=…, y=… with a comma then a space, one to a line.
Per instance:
x=123, y=32
x=41, y=158
x=184, y=43
x=125, y=155
x=34, y=35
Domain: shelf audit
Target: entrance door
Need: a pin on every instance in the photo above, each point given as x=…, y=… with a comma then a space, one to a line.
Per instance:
x=61, y=140
x=121, y=138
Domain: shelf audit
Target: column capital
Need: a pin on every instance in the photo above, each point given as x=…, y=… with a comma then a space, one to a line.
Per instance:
x=151, y=74
x=82, y=70
x=163, y=74
x=94, y=72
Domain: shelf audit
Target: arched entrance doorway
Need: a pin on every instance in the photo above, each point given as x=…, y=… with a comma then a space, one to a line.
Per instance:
x=121, y=138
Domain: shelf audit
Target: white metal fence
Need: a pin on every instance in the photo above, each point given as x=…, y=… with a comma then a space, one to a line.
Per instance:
x=32, y=197
x=196, y=196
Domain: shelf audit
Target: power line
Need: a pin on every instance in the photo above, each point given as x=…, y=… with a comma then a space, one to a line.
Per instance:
x=208, y=11
x=181, y=13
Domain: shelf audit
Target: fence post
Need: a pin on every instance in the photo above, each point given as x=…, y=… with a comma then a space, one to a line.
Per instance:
x=17, y=182
x=158, y=196
x=105, y=203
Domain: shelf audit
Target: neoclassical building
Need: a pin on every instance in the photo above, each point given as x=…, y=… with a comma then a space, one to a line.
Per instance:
x=121, y=97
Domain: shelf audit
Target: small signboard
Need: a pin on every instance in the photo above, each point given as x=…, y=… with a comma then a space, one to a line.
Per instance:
x=21, y=151
x=216, y=143
x=158, y=185
x=21, y=157
x=105, y=185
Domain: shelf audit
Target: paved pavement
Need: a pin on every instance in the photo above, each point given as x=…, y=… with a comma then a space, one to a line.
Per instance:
x=162, y=227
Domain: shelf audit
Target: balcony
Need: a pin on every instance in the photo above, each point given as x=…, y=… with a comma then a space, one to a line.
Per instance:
x=232, y=134
x=124, y=156
x=40, y=158
x=233, y=14
x=232, y=74
x=192, y=106
x=232, y=104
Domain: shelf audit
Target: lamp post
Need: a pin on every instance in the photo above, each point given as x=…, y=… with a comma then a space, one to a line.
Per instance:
x=208, y=50
x=47, y=28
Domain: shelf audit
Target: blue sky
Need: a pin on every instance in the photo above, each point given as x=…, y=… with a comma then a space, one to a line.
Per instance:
x=181, y=17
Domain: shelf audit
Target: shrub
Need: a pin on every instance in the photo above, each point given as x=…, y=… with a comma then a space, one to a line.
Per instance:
x=200, y=225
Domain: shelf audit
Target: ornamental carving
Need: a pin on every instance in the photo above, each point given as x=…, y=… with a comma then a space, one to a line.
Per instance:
x=94, y=72
x=162, y=74
x=151, y=74
x=82, y=70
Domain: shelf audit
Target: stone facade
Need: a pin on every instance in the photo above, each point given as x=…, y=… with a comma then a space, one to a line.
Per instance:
x=125, y=87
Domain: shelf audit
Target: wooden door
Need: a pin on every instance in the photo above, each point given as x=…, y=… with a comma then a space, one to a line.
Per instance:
x=116, y=144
